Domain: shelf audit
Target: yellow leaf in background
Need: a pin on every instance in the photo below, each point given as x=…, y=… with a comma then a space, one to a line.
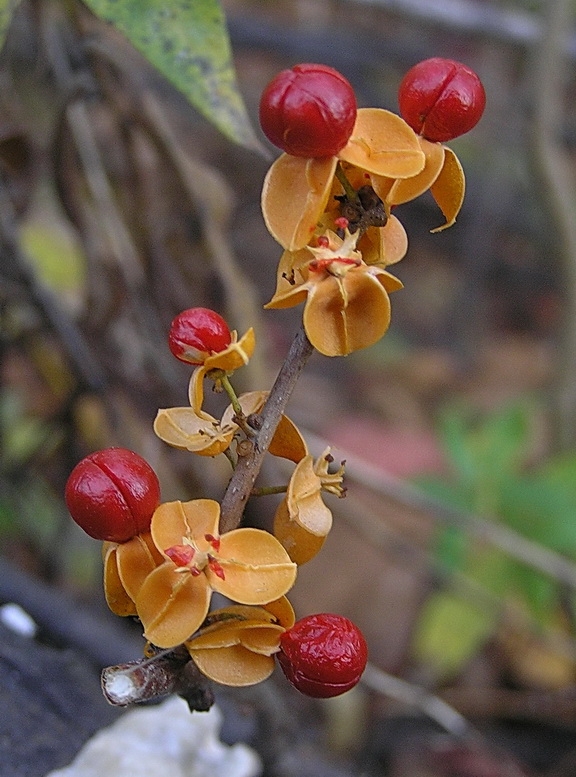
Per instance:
x=449, y=633
x=55, y=254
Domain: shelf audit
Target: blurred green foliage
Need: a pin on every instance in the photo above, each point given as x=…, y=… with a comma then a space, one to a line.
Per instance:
x=492, y=477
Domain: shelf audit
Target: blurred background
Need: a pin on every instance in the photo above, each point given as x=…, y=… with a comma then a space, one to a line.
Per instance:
x=455, y=548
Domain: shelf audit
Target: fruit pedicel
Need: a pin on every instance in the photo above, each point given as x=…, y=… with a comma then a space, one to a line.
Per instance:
x=328, y=201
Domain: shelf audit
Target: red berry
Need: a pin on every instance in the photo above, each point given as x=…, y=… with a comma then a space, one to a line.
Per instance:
x=196, y=333
x=323, y=655
x=308, y=111
x=112, y=494
x=441, y=99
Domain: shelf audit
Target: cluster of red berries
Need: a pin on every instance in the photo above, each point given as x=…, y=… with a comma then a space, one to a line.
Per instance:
x=310, y=110
x=113, y=493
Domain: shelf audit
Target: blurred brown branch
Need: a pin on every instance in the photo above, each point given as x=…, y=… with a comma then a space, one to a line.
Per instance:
x=558, y=186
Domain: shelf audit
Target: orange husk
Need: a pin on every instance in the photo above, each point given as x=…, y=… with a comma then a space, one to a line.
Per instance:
x=235, y=666
x=283, y=611
x=448, y=189
x=172, y=605
x=294, y=195
x=256, y=635
x=300, y=544
x=347, y=314
x=173, y=521
x=236, y=355
x=404, y=190
x=117, y=598
x=183, y=428
x=135, y=560
x=382, y=143
x=302, y=520
x=384, y=245
x=256, y=567
x=230, y=650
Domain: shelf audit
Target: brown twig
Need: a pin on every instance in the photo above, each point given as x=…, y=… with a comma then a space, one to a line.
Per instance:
x=245, y=474
x=152, y=678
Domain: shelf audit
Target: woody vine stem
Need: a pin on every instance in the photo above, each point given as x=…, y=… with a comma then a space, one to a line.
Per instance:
x=249, y=465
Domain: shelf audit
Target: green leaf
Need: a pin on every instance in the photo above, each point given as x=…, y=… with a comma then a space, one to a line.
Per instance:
x=187, y=41
x=455, y=436
x=7, y=8
x=561, y=472
x=504, y=438
x=541, y=510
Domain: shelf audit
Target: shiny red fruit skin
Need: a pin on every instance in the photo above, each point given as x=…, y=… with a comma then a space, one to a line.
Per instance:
x=441, y=99
x=323, y=655
x=112, y=494
x=308, y=111
x=196, y=333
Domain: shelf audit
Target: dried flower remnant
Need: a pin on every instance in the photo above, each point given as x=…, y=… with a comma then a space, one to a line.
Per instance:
x=302, y=521
x=347, y=301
